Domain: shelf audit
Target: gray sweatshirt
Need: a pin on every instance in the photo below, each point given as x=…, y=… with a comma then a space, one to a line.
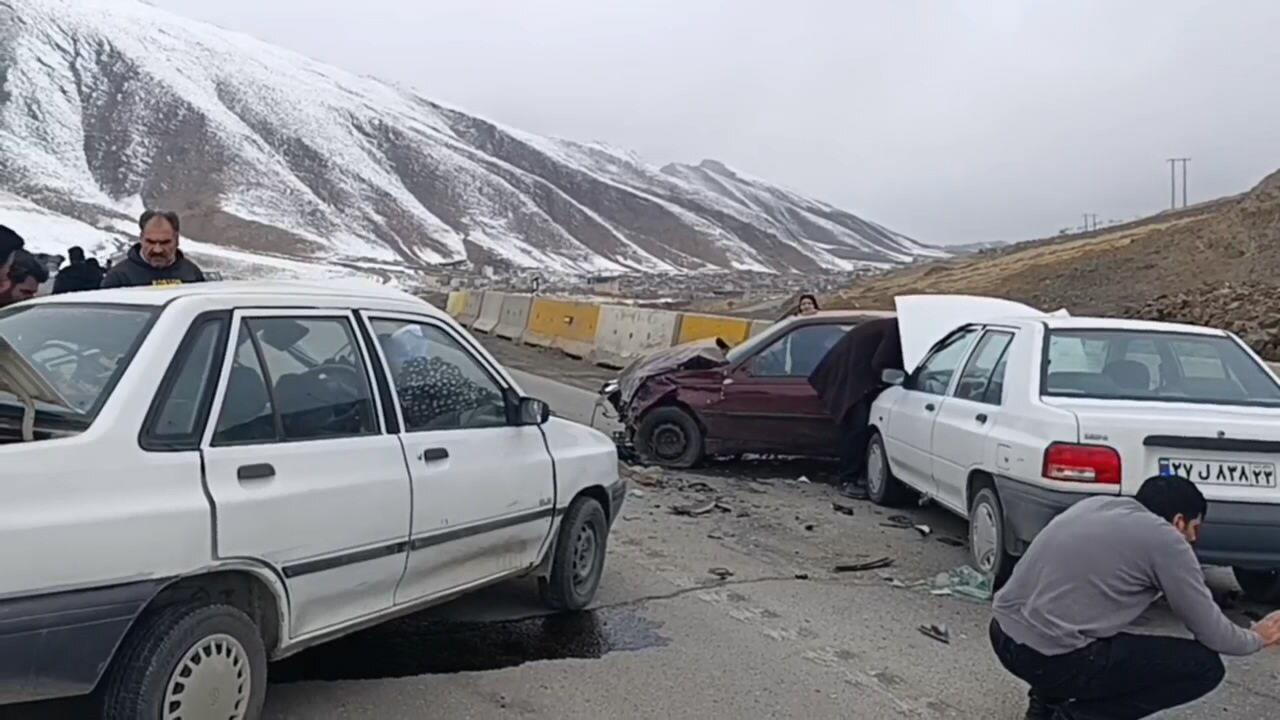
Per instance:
x=1097, y=567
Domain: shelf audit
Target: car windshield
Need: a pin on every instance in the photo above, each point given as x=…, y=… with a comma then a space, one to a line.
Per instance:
x=751, y=344
x=1159, y=366
x=81, y=350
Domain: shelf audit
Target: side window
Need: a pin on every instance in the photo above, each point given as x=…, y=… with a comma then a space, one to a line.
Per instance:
x=798, y=352
x=440, y=385
x=317, y=376
x=934, y=374
x=982, y=379
x=180, y=411
x=247, y=414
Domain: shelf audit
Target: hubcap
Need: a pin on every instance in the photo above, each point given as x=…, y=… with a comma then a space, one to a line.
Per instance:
x=212, y=682
x=669, y=441
x=875, y=468
x=584, y=555
x=984, y=537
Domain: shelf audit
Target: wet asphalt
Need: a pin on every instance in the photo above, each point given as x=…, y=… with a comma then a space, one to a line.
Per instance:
x=736, y=613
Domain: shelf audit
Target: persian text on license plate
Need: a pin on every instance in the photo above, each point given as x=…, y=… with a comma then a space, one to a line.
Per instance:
x=1215, y=472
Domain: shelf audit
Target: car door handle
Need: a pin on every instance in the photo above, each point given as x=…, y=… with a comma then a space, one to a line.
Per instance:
x=257, y=471
x=435, y=454
x=980, y=417
x=930, y=407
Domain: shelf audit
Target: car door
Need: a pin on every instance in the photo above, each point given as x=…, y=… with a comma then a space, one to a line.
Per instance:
x=483, y=486
x=767, y=403
x=909, y=436
x=300, y=470
x=967, y=416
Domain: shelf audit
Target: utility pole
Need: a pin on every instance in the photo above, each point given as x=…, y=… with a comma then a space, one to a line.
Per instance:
x=1173, y=181
x=1090, y=221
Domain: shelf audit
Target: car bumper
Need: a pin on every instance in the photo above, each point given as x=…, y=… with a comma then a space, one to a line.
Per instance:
x=58, y=645
x=1243, y=535
x=617, y=496
x=1027, y=509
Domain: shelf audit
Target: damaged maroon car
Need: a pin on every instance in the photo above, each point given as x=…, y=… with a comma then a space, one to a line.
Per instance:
x=704, y=399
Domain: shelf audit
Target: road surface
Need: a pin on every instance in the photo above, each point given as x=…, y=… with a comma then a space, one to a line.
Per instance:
x=731, y=615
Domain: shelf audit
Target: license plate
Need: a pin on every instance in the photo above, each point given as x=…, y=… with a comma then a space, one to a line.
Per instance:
x=1217, y=472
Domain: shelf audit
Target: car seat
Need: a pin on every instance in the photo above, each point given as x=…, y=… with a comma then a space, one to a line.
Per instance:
x=1129, y=375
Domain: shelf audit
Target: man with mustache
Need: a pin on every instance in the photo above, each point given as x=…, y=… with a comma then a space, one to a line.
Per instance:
x=156, y=259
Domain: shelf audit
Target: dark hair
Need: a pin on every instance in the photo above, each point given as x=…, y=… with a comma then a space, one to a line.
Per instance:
x=811, y=298
x=92, y=262
x=10, y=243
x=167, y=215
x=1171, y=495
x=76, y=254
x=25, y=265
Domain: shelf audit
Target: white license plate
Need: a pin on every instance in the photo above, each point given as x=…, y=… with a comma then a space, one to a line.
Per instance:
x=1217, y=472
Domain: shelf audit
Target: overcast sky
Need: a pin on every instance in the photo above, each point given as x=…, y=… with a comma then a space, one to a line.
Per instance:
x=948, y=120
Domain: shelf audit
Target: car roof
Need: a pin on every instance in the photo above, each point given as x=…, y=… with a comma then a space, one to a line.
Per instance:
x=1073, y=322
x=161, y=295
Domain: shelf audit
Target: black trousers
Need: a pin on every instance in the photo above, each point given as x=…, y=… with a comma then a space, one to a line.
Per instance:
x=1121, y=678
x=853, y=440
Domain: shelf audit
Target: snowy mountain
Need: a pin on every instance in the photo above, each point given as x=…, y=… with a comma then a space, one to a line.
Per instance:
x=107, y=106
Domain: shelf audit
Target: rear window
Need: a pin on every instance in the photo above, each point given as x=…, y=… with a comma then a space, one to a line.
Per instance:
x=1139, y=365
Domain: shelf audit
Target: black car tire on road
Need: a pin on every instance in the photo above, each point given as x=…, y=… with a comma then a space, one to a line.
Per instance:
x=1260, y=586
x=670, y=437
x=197, y=653
x=882, y=487
x=578, y=564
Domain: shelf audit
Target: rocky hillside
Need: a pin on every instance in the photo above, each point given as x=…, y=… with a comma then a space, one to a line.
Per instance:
x=110, y=105
x=1218, y=265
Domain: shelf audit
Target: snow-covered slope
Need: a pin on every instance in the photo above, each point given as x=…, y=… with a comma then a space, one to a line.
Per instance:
x=110, y=105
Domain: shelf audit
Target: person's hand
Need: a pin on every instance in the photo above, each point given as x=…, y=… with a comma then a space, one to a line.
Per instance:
x=1268, y=628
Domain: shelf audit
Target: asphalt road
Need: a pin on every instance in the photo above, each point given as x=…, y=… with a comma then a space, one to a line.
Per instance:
x=734, y=614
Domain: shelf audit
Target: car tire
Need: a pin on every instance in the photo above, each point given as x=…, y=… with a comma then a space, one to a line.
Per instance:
x=882, y=487
x=987, y=537
x=669, y=437
x=578, y=563
x=1260, y=586
x=210, y=643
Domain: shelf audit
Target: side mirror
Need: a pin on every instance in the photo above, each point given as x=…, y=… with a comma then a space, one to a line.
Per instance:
x=892, y=377
x=532, y=411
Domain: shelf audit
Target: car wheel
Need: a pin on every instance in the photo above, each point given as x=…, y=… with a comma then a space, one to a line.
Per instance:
x=986, y=537
x=882, y=487
x=578, y=563
x=188, y=661
x=670, y=437
x=1260, y=586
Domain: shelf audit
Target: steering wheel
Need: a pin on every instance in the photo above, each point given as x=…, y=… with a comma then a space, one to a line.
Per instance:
x=343, y=378
x=342, y=358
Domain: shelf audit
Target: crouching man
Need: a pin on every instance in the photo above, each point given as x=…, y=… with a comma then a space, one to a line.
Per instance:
x=1088, y=575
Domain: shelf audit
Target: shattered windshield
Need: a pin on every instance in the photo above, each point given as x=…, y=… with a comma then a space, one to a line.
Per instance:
x=81, y=350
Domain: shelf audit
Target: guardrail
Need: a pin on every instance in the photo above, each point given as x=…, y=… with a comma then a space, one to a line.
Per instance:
x=608, y=335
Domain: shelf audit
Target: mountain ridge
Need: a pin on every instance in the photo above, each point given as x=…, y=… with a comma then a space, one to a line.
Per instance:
x=110, y=105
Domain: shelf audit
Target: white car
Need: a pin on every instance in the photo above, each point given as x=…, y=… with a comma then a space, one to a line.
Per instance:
x=202, y=478
x=1016, y=414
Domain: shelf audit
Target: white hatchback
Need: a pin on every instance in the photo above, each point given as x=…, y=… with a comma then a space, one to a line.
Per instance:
x=1016, y=414
x=204, y=477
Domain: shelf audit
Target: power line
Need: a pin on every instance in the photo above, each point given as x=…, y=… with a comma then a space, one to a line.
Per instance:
x=1173, y=181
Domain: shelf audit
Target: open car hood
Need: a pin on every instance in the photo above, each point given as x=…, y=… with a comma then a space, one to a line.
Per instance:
x=702, y=354
x=17, y=376
x=923, y=320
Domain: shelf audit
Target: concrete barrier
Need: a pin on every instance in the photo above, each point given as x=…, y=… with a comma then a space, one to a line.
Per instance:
x=626, y=333
x=470, y=307
x=514, y=317
x=490, y=311
x=457, y=298
x=545, y=317
x=759, y=326
x=564, y=324
x=696, y=326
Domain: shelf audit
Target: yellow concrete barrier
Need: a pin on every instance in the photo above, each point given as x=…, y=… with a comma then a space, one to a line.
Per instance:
x=696, y=326
x=457, y=299
x=564, y=324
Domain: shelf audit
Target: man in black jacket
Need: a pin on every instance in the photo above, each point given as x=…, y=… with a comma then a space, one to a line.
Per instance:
x=78, y=275
x=156, y=259
x=848, y=381
x=26, y=276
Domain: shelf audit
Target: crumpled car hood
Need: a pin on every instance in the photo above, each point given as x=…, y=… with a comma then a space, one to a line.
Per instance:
x=704, y=354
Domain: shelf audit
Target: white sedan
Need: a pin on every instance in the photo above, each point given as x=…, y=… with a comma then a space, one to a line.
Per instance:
x=202, y=478
x=1016, y=414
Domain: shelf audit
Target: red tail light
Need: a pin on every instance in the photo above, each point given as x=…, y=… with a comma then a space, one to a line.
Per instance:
x=1082, y=463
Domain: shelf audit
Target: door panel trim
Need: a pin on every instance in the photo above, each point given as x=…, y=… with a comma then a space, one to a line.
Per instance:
x=481, y=528
x=345, y=558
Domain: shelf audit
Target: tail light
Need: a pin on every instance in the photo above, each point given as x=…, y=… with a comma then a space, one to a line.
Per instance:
x=1082, y=463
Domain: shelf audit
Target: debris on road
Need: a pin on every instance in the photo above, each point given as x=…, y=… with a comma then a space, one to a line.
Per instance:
x=953, y=542
x=964, y=582
x=695, y=509
x=721, y=573
x=881, y=562
x=646, y=476
x=924, y=530
x=842, y=508
x=802, y=479
x=936, y=632
x=636, y=493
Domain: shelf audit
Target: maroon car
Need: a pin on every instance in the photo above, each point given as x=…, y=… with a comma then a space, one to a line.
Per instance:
x=703, y=399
